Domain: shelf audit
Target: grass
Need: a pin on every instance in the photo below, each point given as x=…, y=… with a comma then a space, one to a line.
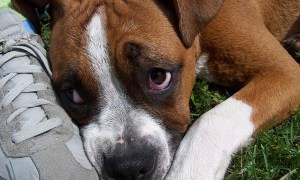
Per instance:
x=45, y=32
x=273, y=154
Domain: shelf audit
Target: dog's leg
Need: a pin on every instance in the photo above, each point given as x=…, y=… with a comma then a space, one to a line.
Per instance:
x=270, y=81
x=206, y=150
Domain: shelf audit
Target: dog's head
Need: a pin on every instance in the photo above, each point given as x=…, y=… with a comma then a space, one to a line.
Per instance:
x=124, y=70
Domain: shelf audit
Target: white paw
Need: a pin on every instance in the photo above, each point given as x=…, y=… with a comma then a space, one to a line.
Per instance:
x=205, y=152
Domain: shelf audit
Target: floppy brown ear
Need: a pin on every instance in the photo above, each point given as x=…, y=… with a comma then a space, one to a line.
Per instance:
x=194, y=15
x=29, y=9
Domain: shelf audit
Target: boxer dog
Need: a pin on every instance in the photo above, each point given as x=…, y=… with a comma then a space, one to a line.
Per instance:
x=125, y=69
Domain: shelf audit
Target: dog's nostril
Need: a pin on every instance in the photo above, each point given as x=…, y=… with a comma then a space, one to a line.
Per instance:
x=143, y=171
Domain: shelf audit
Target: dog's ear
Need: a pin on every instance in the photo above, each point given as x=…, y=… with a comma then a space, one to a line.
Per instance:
x=194, y=15
x=30, y=9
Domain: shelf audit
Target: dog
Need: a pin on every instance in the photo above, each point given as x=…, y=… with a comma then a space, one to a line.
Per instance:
x=125, y=69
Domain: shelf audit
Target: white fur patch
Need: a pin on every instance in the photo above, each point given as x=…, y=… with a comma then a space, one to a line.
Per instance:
x=90, y=134
x=202, y=69
x=117, y=115
x=206, y=150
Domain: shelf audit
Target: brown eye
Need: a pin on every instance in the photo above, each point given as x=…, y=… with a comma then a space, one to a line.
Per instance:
x=159, y=79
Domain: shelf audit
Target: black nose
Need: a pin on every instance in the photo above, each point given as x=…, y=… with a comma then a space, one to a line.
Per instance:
x=132, y=162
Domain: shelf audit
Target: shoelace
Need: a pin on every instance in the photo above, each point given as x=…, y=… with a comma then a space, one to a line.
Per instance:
x=38, y=123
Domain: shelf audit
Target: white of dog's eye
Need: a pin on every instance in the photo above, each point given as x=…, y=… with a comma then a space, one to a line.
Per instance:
x=73, y=95
x=159, y=79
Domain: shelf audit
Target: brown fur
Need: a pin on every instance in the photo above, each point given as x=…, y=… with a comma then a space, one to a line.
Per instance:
x=74, y=63
x=245, y=53
x=242, y=42
x=123, y=30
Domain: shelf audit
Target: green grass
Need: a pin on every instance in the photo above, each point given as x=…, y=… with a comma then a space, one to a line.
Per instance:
x=46, y=31
x=273, y=154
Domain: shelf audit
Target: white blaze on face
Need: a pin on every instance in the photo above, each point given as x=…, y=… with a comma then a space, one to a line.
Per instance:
x=117, y=114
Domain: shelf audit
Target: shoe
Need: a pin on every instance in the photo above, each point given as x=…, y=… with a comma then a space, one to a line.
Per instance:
x=37, y=137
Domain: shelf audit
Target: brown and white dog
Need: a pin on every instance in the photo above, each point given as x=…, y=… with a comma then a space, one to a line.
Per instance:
x=125, y=69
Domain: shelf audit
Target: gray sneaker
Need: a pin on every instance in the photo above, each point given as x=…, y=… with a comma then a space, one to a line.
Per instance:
x=37, y=137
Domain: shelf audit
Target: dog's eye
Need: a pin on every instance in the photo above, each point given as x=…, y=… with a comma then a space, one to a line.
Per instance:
x=74, y=97
x=159, y=79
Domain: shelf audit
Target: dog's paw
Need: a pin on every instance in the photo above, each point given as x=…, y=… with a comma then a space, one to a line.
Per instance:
x=206, y=149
